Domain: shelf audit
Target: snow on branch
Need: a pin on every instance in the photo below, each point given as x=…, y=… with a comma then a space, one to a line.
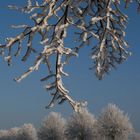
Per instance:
x=94, y=22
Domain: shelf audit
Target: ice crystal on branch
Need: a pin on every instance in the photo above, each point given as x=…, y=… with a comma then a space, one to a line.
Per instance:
x=91, y=20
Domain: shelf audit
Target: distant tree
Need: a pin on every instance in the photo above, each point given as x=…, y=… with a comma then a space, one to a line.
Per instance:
x=135, y=136
x=4, y=135
x=99, y=24
x=81, y=126
x=27, y=132
x=53, y=128
x=9, y=134
x=113, y=124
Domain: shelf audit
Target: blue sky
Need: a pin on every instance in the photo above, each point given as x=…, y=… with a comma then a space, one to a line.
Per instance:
x=25, y=102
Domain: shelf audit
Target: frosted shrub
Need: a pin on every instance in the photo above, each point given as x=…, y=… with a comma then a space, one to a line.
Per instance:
x=53, y=128
x=135, y=136
x=27, y=132
x=4, y=135
x=9, y=134
x=80, y=126
x=113, y=124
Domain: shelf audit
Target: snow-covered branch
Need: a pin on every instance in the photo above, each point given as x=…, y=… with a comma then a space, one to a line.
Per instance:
x=99, y=24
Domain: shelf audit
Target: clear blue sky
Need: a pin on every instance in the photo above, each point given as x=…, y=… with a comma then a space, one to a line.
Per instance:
x=25, y=102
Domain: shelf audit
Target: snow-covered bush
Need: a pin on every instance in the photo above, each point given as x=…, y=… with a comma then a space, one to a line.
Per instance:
x=80, y=126
x=4, y=135
x=27, y=132
x=113, y=124
x=9, y=134
x=53, y=128
x=135, y=136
